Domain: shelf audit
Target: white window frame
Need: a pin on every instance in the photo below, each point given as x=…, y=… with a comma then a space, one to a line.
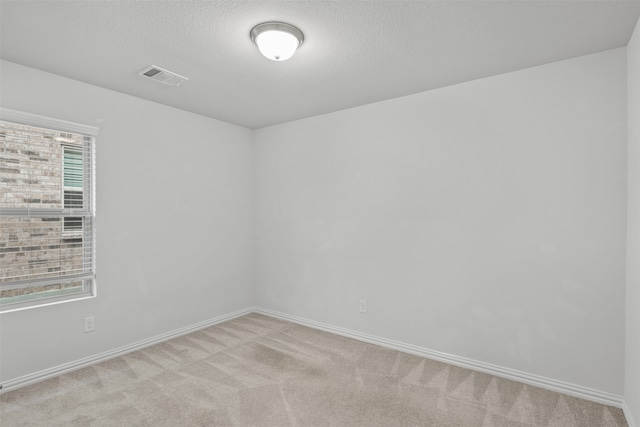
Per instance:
x=89, y=209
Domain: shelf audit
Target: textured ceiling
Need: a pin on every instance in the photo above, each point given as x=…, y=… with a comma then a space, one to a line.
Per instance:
x=354, y=53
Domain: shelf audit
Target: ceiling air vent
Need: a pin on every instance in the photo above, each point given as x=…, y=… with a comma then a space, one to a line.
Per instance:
x=162, y=76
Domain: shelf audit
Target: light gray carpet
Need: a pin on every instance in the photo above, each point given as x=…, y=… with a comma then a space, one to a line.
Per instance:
x=260, y=371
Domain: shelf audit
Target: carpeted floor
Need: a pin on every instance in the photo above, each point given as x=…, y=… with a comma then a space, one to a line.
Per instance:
x=260, y=371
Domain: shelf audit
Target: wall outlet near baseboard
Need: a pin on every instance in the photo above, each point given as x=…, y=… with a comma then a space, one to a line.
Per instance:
x=89, y=324
x=363, y=306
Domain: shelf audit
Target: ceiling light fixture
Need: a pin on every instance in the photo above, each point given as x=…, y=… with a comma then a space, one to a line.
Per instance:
x=276, y=40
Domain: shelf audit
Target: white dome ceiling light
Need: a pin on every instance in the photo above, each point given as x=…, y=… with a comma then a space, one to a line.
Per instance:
x=276, y=40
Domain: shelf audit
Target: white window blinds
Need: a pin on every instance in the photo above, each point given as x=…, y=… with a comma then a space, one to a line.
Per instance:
x=47, y=235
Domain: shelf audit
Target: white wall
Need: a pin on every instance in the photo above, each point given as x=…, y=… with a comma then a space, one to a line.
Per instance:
x=174, y=223
x=484, y=220
x=632, y=364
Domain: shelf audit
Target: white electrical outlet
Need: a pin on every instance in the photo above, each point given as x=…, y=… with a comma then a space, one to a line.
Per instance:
x=363, y=306
x=89, y=324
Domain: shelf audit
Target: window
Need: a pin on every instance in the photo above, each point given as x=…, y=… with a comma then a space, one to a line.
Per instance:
x=47, y=211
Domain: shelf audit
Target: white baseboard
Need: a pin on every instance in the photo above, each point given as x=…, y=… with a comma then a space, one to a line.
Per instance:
x=511, y=374
x=101, y=357
x=627, y=414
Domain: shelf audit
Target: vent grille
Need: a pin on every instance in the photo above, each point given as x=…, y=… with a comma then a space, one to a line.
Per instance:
x=162, y=76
